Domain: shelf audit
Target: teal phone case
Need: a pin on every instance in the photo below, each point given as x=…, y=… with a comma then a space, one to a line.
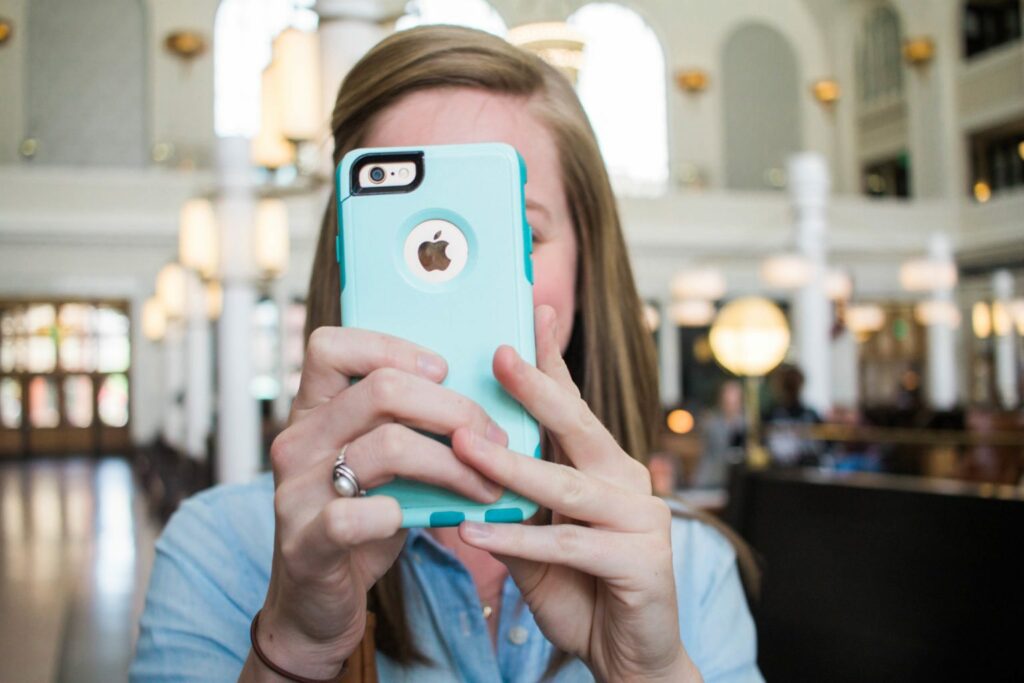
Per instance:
x=479, y=189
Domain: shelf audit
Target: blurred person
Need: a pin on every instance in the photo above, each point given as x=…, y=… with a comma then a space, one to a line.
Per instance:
x=664, y=469
x=786, y=418
x=724, y=433
x=602, y=584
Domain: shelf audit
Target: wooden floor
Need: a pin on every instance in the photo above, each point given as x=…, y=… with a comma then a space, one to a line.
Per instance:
x=76, y=546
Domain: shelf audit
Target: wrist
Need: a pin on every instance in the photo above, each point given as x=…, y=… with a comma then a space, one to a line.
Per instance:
x=680, y=670
x=289, y=649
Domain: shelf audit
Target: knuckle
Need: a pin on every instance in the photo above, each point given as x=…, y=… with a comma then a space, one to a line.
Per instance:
x=573, y=486
x=280, y=504
x=339, y=528
x=391, y=352
x=661, y=513
x=280, y=452
x=391, y=440
x=385, y=386
x=320, y=340
x=568, y=539
x=585, y=421
x=641, y=476
x=291, y=555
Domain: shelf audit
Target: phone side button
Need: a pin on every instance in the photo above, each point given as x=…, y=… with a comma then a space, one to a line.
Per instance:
x=450, y=518
x=527, y=248
x=339, y=255
x=504, y=515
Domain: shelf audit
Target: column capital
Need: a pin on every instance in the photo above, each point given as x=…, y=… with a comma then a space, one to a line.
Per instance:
x=370, y=11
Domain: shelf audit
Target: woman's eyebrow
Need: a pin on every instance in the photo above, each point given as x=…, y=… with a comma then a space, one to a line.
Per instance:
x=537, y=206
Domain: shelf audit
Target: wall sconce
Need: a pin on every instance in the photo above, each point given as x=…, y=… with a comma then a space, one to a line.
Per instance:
x=982, y=191
x=185, y=44
x=981, y=320
x=198, y=237
x=692, y=313
x=787, y=270
x=864, y=320
x=214, y=300
x=705, y=283
x=927, y=275
x=298, y=56
x=918, y=51
x=692, y=81
x=170, y=290
x=6, y=30
x=154, y=319
x=826, y=91
x=271, y=239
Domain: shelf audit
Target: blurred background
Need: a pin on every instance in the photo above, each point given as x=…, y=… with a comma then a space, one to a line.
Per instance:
x=823, y=202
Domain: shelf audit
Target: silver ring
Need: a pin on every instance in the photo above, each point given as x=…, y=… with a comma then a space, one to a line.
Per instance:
x=346, y=483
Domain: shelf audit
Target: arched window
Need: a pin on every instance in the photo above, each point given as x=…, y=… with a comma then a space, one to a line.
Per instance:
x=470, y=13
x=761, y=99
x=622, y=88
x=880, y=67
x=243, y=34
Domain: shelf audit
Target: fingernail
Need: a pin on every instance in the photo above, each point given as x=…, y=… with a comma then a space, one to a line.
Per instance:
x=430, y=365
x=496, y=434
x=493, y=490
x=476, y=530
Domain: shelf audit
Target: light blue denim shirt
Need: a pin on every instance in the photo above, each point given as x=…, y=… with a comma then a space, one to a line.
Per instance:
x=212, y=568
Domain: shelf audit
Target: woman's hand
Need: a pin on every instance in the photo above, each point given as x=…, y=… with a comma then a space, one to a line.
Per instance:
x=599, y=578
x=329, y=551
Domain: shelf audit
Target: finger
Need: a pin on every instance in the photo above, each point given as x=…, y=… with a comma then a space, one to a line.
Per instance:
x=549, y=352
x=560, y=488
x=334, y=355
x=605, y=554
x=341, y=525
x=385, y=395
x=568, y=418
x=392, y=450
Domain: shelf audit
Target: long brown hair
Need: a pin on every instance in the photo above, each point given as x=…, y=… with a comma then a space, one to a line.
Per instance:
x=610, y=354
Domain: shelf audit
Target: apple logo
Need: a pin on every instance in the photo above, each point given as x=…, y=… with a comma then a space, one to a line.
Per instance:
x=432, y=254
x=432, y=259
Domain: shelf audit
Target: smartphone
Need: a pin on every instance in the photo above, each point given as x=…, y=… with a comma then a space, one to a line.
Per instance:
x=433, y=247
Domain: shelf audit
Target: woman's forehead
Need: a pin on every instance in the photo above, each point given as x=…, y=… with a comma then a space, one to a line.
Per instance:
x=454, y=116
x=445, y=116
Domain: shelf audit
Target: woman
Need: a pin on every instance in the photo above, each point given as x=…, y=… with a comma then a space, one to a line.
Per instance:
x=606, y=586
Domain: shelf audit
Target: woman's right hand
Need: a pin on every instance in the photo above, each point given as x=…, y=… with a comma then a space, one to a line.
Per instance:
x=329, y=551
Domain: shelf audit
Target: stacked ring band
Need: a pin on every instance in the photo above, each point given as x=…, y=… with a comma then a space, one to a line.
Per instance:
x=345, y=481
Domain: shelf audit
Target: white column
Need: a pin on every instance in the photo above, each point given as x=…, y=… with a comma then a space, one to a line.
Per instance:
x=199, y=378
x=941, y=356
x=345, y=36
x=668, y=357
x=938, y=155
x=844, y=360
x=1006, y=362
x=173, y=427
x=238, y=425
x=812, y=325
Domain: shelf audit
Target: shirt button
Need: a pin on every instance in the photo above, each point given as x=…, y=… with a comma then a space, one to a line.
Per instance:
x=517, y=635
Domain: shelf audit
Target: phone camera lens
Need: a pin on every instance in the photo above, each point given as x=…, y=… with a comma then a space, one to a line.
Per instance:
x=377, y=174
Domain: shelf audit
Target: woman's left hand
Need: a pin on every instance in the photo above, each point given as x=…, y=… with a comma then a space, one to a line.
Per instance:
x=599, y=578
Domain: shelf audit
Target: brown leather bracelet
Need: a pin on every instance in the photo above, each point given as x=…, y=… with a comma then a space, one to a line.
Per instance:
x=278, y=670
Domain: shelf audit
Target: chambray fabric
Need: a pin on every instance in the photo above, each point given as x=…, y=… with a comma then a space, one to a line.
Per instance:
x=212, y=568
